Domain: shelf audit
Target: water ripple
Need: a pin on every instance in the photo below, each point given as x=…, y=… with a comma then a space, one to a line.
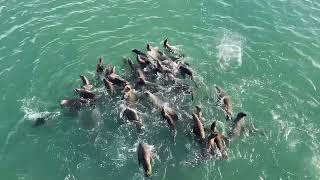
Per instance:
x=15, y=27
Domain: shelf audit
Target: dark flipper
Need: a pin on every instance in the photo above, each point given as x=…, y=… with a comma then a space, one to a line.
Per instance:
x=165, y=42
x=131, y=64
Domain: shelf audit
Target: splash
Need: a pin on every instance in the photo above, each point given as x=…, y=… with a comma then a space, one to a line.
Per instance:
x=230, y=52
x=31, y=113
x=30, y=107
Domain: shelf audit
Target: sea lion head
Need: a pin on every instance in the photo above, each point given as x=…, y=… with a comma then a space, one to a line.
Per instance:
x=100, y=60
x=198, y=108
x=100, y=65
x=213, y=126
x=165, y=43
x=127, y=88
x=228, y=115
x=241, y=115
x=113, y=70
x=110, y=70
x=149, y=47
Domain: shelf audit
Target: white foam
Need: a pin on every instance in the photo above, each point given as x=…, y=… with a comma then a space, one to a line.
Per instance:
x=316, y=164
x=31, y=111
x=29, y=107
x=275, y=116
x=230, y=52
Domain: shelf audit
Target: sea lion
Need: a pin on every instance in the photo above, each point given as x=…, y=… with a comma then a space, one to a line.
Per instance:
x=213, y=127
x=238, y=125
x=116, y=79
x=172, y=49
x=142, y=58
x=42, y=120
x=129, y=94
x=217, y=140
x=100, y=65
x=75, y=104
x=224, y=101
x=184, y=70
x=110, y=70
x=173, y=66
x=145, y=158
x=109, y=86
x=198, y=128
x=139, y=53
x=131, y=64
x=155, y=53
x=85, y=94
x=132, y=115
x=170, y=116
x=154, y=99
x=142, y=82
x=211, y=146
x=136, y=69
x=141, y=76
x=162, y=69
x=143, y=61
x=86, y=83
x=199, y=113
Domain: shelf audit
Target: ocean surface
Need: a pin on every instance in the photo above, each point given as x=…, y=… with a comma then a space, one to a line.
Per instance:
x=264, y=53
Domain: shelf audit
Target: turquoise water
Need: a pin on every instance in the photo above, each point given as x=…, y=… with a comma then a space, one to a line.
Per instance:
x=265, y=54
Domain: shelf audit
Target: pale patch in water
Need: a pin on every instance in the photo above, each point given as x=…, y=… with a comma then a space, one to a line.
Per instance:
x=230, y=52
x=1, y=8
x=275, y=116
x=31, y=111
x=69, y=177
x=316, y=164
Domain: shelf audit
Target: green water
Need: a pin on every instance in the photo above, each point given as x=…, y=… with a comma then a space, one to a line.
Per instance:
x=265, y=54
